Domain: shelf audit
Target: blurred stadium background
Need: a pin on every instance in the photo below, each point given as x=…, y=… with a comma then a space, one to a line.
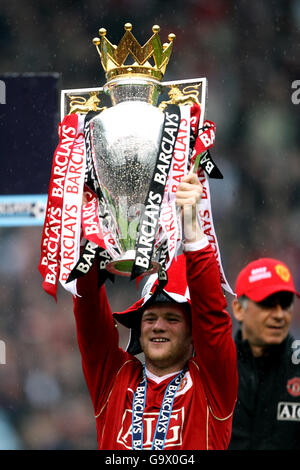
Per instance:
x=249, y=52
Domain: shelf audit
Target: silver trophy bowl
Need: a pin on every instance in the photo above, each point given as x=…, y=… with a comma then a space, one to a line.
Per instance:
x=125, y=142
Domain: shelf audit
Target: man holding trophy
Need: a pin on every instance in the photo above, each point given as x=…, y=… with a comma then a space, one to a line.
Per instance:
x=184, y=396
x=147, y=157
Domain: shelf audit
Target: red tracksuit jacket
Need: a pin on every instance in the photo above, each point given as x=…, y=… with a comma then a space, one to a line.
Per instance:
x=203, y=406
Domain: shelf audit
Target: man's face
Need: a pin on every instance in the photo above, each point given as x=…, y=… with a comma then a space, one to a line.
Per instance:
x=166, y=338
x=265, y=323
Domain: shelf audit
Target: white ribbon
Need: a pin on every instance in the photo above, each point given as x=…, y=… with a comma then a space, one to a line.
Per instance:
x=71, y=213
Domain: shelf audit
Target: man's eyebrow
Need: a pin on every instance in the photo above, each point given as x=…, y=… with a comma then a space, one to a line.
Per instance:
x=173, y=314
x=166, y=314
x=149, y=313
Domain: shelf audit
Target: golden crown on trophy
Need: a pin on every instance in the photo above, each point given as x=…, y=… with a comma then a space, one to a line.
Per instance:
x=113, y=57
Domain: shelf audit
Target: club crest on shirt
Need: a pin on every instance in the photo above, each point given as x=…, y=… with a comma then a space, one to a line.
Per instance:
x=174, y=434
x=293, y=386
x=183, y=384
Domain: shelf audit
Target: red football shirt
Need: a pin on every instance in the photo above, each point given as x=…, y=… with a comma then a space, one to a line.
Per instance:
x=202, y=410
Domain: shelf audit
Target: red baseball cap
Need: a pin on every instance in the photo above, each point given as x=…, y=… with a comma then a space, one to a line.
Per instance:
x=264, y=277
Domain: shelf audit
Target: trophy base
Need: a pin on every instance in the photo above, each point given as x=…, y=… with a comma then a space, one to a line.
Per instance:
x=123, y=265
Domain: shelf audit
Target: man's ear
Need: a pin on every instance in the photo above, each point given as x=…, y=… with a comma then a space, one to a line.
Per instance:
x=238, y=310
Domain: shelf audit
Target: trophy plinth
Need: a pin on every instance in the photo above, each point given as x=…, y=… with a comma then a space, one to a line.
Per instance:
x=123, y=266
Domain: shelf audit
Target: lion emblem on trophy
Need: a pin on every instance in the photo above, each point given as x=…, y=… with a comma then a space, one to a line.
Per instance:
x=81, y=105
x=188, y=95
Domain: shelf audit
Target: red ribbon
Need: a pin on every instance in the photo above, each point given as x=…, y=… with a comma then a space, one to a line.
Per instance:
x=90, y=219
x=49, y=265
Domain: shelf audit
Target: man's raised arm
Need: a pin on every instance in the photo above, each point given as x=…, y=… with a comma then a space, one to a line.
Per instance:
x=211, y=323
x=97, y=337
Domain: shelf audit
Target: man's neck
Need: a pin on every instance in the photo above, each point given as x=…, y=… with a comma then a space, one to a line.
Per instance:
x=160, y=371
x=160, y=378
x=257, y=351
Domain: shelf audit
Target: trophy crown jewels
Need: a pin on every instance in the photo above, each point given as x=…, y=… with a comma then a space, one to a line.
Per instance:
x=113, y=57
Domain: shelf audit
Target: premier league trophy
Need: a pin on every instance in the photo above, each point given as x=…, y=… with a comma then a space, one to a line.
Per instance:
x=126, y=139
x=123, y=150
